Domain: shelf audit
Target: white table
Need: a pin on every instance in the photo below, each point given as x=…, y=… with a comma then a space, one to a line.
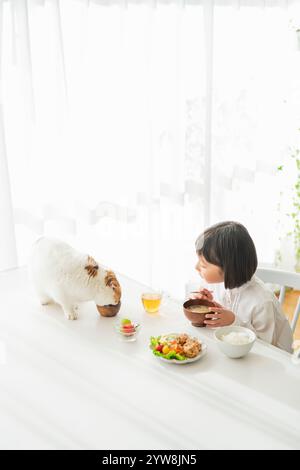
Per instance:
x=74, y=385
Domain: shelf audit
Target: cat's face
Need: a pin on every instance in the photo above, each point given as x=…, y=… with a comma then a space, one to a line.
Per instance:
x=112, y=282
x=110, y=289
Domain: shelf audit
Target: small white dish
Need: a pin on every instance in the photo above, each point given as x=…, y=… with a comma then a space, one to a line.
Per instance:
x=234, y=351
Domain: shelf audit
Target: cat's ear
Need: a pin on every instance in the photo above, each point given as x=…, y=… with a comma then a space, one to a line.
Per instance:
x=91, y=267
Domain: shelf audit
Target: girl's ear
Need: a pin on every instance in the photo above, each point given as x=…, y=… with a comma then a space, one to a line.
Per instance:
x=91, y=267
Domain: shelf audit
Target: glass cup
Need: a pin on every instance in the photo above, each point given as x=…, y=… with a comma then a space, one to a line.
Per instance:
x=127, y=329
x=152, y=301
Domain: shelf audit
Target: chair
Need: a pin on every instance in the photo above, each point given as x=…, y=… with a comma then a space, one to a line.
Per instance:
x=283, y=279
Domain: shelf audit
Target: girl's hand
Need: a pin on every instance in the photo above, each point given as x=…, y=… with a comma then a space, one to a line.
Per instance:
x=220, y=316
x=204, y=294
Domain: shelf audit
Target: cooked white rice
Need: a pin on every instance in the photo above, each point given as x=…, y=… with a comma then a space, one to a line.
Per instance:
x=236, y=338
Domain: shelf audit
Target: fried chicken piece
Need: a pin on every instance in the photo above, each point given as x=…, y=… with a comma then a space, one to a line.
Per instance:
x=182, y=339
x=191, y=348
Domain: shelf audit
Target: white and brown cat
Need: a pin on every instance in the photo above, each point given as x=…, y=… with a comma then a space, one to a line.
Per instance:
x=63, y=275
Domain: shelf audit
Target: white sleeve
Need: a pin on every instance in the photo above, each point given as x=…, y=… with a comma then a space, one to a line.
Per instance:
x=262, y=321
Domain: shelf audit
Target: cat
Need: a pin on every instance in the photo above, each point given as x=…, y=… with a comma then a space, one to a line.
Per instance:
x=63, y=275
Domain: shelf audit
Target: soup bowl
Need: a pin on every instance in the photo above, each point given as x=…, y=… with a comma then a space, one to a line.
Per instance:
x=197, y=318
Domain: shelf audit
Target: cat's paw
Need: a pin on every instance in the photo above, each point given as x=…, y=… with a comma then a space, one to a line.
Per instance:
x=44, y=300
x=72, y=315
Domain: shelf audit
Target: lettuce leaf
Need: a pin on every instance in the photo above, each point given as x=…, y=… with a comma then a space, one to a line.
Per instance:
x=154, y=341
x=180, y=357
x=170, y=355
x=158, y=353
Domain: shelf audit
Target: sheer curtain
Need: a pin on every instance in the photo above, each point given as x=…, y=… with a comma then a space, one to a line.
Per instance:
x=126, y=127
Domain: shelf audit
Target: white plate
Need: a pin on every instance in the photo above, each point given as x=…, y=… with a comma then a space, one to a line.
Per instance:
x=193, y=359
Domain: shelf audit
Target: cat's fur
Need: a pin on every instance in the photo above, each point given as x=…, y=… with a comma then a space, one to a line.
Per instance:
x=63, y=275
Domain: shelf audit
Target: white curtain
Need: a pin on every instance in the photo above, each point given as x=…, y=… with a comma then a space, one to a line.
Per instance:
x=126, y=127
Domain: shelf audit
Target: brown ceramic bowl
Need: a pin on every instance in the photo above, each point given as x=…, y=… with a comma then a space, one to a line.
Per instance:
x=108, y=310
x=197, y=319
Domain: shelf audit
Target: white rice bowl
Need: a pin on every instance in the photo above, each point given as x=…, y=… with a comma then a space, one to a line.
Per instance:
x=235, y=341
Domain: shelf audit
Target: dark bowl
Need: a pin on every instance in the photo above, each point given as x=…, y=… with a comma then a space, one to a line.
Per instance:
x=108, y=310
x=197, y=319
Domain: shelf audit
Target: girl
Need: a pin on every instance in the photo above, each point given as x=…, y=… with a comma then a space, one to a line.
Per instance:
x=227, y=254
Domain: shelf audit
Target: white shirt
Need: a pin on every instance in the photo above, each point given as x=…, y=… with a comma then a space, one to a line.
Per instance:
x=257, y=308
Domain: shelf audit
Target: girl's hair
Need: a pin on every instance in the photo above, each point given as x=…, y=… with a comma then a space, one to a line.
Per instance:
x=229, y=246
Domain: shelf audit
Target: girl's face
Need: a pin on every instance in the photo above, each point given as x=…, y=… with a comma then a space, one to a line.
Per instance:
x=209, y=272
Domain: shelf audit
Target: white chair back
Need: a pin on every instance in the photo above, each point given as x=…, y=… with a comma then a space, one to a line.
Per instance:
x=284, y=279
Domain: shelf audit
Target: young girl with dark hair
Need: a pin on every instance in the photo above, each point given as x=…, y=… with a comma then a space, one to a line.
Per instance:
x=227, y=255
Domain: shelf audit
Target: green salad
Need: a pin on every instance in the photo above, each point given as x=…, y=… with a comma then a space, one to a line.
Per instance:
x=168, y=347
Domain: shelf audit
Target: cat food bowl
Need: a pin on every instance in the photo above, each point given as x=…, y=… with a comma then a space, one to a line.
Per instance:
x=196, y=309
x=108, y=310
